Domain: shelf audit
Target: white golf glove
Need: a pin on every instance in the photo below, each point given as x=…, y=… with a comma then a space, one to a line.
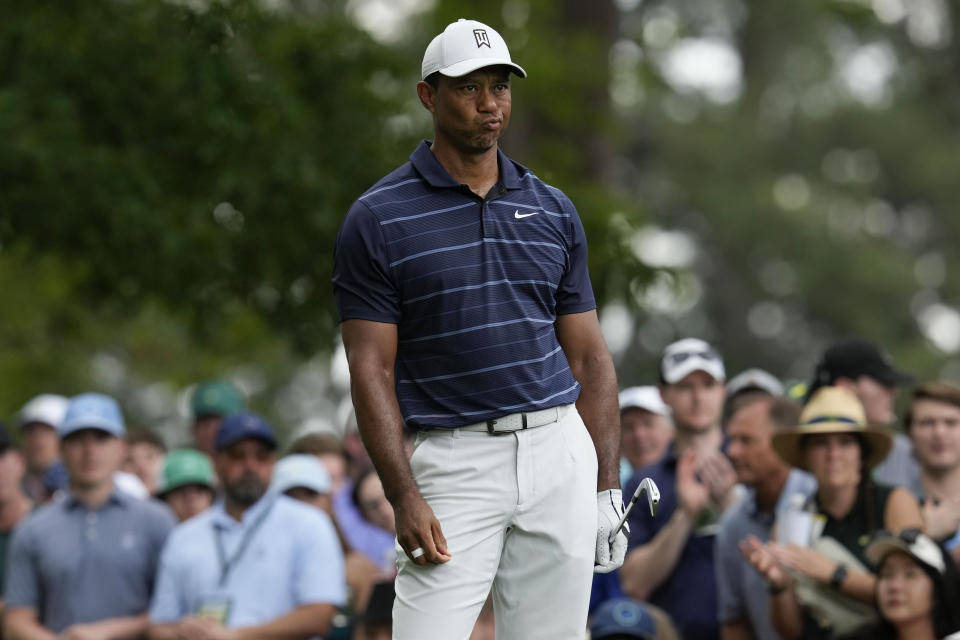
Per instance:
x=609, y=556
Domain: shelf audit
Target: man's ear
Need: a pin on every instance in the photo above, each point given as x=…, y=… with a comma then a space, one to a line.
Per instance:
x=427, y=95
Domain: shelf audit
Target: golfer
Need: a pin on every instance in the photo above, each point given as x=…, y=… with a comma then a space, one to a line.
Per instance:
x=468, y=315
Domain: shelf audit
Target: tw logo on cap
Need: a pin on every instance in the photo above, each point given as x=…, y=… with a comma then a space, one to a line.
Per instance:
x=480, y=35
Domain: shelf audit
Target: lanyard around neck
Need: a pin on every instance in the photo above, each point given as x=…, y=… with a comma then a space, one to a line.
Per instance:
x=226, y=564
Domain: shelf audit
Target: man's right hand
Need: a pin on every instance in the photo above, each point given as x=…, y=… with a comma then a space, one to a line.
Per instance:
x=418, y=528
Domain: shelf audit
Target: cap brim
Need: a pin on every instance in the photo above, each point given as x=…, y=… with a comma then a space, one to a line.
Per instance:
x=95, y=424
x=195, y=482
x=695, y=363
x=877, y=550
x=464, y=67
x=270, y=442
x=895, y=378
x=786, y=442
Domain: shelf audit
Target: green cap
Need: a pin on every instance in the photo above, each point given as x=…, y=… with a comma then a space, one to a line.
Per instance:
x=217, y=398
x=183, y=467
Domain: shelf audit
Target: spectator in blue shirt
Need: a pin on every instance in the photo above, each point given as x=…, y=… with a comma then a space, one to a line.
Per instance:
x=670, y=561
x=772, y=486
x=84, y=566
x=256, y=565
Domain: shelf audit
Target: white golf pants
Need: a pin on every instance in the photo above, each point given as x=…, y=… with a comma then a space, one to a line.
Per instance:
x=519, y=512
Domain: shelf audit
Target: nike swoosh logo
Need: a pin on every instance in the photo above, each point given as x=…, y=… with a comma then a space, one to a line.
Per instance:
x=518, y=215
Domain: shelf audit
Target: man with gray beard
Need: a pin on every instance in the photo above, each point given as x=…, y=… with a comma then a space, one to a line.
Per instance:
x=255, y=565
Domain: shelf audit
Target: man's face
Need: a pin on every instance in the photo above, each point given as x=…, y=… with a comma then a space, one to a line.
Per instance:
x=205, y=432
x=91, y=457
x=877, y=399
x=12, y=468
x=189, y=500
x=749, y=446
x=470, y=112
x=244, y=469
x=644, y=436
x=935, y=433
x=696, y=401
x=41, y=445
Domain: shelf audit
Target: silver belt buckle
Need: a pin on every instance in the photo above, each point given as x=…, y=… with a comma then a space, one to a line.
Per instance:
x=491, y=424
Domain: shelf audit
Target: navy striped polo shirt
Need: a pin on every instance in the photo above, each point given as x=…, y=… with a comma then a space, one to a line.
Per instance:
x=474, y=286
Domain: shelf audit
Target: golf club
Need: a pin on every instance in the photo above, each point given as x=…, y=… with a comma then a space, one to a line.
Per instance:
x=653, y=499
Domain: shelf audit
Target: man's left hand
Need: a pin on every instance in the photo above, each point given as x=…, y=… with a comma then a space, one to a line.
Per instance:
x=609, y=556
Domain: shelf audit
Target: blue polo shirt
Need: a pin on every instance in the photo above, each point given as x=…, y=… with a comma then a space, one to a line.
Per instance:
x=73, y=564
x=689, y=593
x=474, y=286
x=281, y=555
x=742, y=590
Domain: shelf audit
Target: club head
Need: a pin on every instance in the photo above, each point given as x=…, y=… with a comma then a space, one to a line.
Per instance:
x=653, y=494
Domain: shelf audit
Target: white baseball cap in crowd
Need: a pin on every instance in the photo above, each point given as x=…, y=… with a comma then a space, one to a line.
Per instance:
x=646, y=398
x=301, y=470
x=465, y=46
x=754, y=379
x=683, y=357
x=47, y=408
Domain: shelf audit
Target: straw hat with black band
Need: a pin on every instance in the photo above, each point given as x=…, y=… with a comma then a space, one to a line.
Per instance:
x=833, y=410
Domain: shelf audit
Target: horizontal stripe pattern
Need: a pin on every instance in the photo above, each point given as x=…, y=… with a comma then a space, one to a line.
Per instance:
x=474, y=287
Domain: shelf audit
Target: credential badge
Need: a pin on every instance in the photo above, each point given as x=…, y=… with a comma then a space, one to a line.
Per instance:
x=480, y=35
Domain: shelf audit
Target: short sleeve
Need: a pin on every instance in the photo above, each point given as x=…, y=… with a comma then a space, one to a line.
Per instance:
x=727, y=563
x=22, y=573
x=320, y=573
x=167, y=604
x=575, y=293
x=362, y=284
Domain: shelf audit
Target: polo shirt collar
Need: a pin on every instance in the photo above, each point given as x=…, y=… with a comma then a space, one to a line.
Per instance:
x=433, y=172
x=791, y=486
x=117, y=497
x=222, y=520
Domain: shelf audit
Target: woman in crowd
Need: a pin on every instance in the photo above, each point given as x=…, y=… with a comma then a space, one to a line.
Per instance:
x=822, y=587
x=917, y=591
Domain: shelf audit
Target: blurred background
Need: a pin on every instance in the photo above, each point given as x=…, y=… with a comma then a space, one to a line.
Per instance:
x=767, y=175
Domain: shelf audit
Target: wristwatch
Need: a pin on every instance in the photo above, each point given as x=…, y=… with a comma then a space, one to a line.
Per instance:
x=839, y=575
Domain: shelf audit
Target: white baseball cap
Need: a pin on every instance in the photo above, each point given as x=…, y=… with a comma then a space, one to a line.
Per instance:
x=754, y=379
x=301, y=470
x=47, y=408
x=465, y=46
x=646, y=398
x=683, y=357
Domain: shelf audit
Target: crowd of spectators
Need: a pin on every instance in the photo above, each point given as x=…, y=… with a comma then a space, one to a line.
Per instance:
x=784, y=513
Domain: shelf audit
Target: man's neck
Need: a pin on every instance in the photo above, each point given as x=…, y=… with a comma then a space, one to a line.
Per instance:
x=478, y=171
x=837, y=502
x=706, y=440
x=93, y=496
x=941, y=485
x=12, y=509
x=236, y=510
x=769, y=489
